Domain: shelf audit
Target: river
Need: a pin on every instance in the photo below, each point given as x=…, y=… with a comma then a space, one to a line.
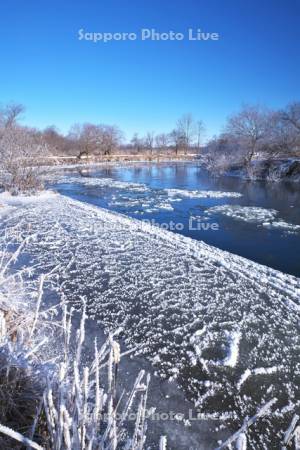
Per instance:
x=245, y=232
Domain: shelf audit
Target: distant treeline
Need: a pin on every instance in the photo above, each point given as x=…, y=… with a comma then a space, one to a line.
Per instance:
x=92, y=140
x=86, y=140
x=254, y=131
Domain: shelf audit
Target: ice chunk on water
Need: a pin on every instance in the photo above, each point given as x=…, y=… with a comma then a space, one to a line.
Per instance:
x=281, y=224
x=245, y=213
x=253, y=214
x=129, y=195
x=96, y=182
x=202, y=194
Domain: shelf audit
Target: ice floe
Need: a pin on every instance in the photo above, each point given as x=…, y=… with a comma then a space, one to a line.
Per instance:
x=254, y=214
x=202, y=194
x=246, y=213
x=281, y=224
x=138, y=198
x=96, y=182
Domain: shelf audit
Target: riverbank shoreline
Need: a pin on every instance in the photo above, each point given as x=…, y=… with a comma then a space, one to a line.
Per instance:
x=272, y=170
x=117, y=158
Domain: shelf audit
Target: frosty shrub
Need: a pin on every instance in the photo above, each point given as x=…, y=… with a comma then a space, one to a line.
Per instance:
x=19, y=150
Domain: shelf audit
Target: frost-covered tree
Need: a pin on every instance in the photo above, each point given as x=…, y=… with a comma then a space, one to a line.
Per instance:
x=20, y=149
x=222, y=153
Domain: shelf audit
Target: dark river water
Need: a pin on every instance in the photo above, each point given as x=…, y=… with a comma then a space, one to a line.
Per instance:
x=277, y=247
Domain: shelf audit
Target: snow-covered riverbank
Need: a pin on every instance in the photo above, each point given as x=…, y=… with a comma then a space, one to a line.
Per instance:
x=189, y=307
x=274, y=170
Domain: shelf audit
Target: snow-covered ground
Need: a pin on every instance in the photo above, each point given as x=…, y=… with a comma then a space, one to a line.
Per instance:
x=217, y=323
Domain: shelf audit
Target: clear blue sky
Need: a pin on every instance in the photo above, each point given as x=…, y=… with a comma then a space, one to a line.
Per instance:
x=147, y=85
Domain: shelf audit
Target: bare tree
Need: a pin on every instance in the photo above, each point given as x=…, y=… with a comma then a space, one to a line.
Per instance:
x=177, y=140
x=137, y=143
x=200, y=130
x=58, y=144
x=149, y=141
x=251, y=126
x=186, y=128
x=162, y=141
x=283, y=138
x=10, y=114
x=255, y=131
x=87, y=138
x=291, y=115
x=112, y=138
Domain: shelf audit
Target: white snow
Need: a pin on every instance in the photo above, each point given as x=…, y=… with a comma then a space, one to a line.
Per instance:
x=241, y=443
x=200, y=332
x=265, y=370
x=257, y=371
x=6, y=199
x=5, y=210
x=9, y=203
x=194, y=308
x=233, y=354
x=243, y=378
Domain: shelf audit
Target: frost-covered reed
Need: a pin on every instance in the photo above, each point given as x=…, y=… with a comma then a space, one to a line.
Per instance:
x=61, y=403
